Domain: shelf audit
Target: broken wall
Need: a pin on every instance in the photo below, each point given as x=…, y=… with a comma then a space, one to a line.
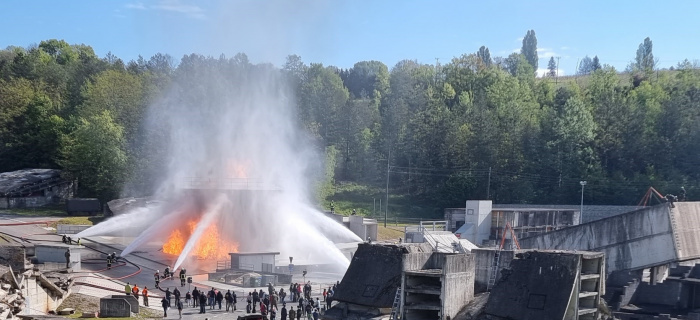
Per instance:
x=538, y=285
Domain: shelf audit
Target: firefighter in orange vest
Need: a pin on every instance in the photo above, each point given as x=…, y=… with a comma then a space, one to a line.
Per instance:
x=144, y=292
x=135, y=292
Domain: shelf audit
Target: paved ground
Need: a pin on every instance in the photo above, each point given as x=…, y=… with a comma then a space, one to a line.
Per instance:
x=95, y=280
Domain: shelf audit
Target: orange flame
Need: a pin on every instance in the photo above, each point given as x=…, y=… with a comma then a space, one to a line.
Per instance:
x=209, y=245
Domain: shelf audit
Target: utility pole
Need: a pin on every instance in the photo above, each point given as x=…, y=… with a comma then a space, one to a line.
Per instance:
x=556, y=81
x=488, y=186
x=583, y=185
x=386, y=213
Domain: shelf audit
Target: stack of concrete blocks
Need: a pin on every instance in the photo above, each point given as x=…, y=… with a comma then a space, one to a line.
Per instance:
x=118, y=306
x=435, y=285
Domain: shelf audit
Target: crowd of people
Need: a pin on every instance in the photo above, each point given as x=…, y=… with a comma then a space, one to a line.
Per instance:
x=270, y=303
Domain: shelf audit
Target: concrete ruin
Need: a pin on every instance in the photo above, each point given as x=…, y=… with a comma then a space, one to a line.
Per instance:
x=430, y=284
x=549, y=285
x=32, y=188
x=646, y=238
x=118, y=306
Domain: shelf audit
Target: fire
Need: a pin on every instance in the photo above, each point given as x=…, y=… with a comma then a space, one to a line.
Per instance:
x=209, y=246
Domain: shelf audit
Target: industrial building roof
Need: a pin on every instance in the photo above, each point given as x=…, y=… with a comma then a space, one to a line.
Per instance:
x=14, y=181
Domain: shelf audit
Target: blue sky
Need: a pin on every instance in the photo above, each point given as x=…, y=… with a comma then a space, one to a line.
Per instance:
x=343, y=32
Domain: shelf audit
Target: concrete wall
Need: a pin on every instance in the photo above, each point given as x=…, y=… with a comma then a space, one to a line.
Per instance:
x=256, y=261
x=56, y=253
x=633, y=240
x=70, y=228
x=38, y=298
x=667, y=293
x=457, y=283
x=114, y=308
x=478, y=213
x=483, y=261
x=685, y=218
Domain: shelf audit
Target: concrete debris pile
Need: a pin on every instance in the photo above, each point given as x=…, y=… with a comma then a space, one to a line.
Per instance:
x=11, y=298
x=63, y=283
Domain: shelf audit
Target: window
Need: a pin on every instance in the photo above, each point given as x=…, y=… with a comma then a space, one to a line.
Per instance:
x=470, y=211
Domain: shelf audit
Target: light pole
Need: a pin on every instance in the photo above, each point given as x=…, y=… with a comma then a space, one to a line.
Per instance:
x=583, y=185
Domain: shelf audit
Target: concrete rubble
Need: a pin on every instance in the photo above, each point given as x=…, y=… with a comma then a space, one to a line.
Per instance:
x=11, y=297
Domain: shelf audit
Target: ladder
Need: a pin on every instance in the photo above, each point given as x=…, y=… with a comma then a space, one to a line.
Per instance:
x=396, y=306
x=494, y=269
x=497, y=255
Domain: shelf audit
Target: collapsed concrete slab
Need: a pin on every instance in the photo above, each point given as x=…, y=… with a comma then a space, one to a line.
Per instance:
x=549, y=285
x=635, y=240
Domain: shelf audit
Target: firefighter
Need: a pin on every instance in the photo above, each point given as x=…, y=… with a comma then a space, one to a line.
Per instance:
x=183, y=272
x=109, y=261
x=166, y=273
x=156, y=277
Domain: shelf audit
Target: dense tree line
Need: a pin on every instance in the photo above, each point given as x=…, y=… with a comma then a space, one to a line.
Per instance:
x=476, y=127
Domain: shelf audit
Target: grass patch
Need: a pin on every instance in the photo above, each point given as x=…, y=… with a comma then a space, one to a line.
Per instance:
x=55, y=210
x=91, y=220
x=389, y=233
x=366, y=200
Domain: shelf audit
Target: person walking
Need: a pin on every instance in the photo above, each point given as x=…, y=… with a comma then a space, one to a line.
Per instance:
x=156, y=277
x=315, y=314
x=127, y=289
x=144, y=293
x=211, y=298
x=202, y=303
x=292, y=313
x=219, y=298
x=164, y=302
x=168, y=295
x=229, y=300
x=283, y=312
x=235, y=299
x=256, y=300
x=188, y=298
x=178, y=304
x=177, y=294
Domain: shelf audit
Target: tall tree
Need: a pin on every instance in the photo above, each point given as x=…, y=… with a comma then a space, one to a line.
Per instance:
x=529, y=49
x=552, y=67
x=94, y=154
x=485, y=56
x=645, y=57
x=586, y=66
x=595, y=64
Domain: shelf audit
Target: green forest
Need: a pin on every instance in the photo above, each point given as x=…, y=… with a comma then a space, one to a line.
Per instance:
x=475, y=127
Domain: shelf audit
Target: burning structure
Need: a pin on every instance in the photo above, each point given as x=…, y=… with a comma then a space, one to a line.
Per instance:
x=231, y=169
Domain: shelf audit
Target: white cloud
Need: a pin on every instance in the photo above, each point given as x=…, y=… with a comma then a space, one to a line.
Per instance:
x=519, y=39
x=175, y=6
x=564, y=48
x=137, y=6
x=546, y=53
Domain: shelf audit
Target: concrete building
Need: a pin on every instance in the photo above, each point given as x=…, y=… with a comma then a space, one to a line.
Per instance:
x=435, y=285
x=434, y=233
x=429, y=284
x=254, y=261
x=549, y=285
x=652, y=237
x=359, y=225
x=54, y=255
x=31, y=188
x=482, y=223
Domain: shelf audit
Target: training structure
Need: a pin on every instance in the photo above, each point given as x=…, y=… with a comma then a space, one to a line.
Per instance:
x=549, y=285
x=651, y=237
x=33, y=188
